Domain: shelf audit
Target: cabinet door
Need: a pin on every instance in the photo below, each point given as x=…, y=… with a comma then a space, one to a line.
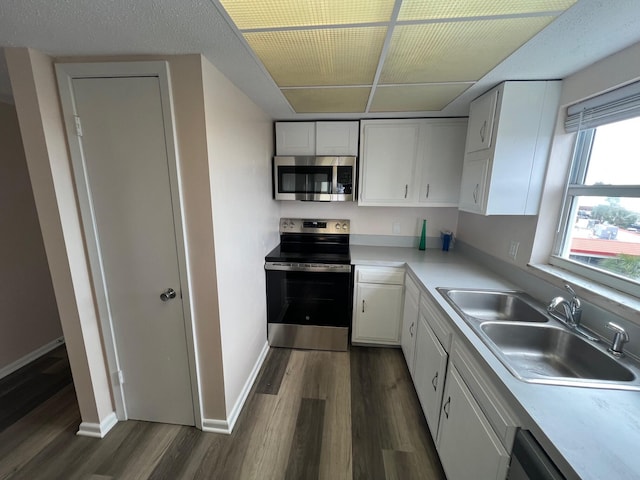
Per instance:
x=481, y=121
x=442, y=162
x=377, y=313
x=390, y=150
x=430, y=370
x=337, y=138
x=295, y=138
x=410, y=323
x=467, y=445
x=473, y=186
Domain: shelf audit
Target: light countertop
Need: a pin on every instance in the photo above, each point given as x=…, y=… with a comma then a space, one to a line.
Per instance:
x=589, y=433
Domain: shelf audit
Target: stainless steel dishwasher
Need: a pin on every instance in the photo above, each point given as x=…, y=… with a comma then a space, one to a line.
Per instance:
x=530, y=462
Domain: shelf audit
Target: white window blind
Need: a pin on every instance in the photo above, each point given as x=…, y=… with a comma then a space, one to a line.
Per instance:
x=619, y=104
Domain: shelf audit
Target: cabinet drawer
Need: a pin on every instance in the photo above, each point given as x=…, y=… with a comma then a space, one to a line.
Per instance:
x=391, y=276
x=502, y=420
x=436, y=321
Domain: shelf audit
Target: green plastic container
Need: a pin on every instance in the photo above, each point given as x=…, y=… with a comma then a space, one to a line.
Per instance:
x=423, y=236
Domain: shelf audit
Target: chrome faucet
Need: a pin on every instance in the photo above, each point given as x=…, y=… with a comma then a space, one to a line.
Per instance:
x=619, y=339
x=572, y=310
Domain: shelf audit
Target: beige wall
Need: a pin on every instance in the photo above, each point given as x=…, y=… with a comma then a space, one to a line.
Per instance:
x=494, y=234
x=195, y=147
x=240, y=147
x=35, y=92
x=193, y=164
x=28, y=313
x=193, y=167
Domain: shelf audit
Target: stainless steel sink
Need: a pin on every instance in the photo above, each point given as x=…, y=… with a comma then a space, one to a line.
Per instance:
x=535, y=347
x=534, y=353
x=510, y=306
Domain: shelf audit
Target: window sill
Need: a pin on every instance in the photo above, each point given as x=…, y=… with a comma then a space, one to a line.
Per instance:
x=619, y=303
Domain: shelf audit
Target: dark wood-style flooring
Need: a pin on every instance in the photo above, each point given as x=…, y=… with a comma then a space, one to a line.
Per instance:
x=310, y=415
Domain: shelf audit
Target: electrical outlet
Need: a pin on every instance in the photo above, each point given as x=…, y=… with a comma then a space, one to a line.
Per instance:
x=513, y=250
x=396, y=228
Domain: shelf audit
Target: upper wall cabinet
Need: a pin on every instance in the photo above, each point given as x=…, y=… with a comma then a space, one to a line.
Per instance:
x=317, y=138
x=411, y=162
x=507, y=147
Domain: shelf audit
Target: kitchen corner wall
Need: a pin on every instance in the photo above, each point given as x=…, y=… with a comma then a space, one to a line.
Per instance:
x=245, y=224
x=28, y=313
x=494, y=234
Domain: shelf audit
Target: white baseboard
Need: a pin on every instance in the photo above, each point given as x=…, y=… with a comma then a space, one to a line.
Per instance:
x=98, y=430
x=215, y=426
x=222, y=426
x=30, y=357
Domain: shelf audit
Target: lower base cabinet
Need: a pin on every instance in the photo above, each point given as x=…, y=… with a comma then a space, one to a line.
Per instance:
x=467, y=445
x=377, y=309
x=471, y=424
x=410, y=322
x=430, y=369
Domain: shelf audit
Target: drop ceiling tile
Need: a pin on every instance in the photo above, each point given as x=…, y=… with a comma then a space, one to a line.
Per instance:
x=338, y=56
x=415, y=98
x=328, y=100
x=434, y=9
x=455, y=51
x=252, y=14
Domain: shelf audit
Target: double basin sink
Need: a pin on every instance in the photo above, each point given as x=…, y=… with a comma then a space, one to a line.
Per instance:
x=536, y=348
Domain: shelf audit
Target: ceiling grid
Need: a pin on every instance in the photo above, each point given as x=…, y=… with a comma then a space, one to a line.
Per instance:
x=364, y=56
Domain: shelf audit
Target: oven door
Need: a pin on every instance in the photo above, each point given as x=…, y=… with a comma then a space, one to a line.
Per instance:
x=309, y=306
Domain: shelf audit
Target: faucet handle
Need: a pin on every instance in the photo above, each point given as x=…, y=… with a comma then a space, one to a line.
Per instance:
x=575, y=301
x=619, y=339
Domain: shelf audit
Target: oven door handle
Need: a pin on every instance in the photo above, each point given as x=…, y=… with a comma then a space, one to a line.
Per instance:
x=308, y=267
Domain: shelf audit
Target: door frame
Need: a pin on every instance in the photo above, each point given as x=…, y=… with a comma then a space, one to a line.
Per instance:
x=66, y=73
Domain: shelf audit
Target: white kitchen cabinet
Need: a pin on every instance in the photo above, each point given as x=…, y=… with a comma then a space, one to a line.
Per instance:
x=377, y=309
x=441, y=166
x=512, y=149
x=410, y=322
x=472, y=186
x=467, y=445
x=317, y=138
x=295, y=138
x=481, y=119
x=411, y=162
x=430, y=370
x=337, y=138
x=390, y=150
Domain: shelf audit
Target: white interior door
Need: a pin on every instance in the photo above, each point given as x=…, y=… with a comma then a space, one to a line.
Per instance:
x=124, y=152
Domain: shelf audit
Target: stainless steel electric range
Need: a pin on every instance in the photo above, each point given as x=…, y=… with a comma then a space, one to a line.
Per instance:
x=310, y=285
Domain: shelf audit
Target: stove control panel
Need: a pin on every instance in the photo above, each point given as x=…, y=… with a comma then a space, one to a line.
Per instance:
x=307, y=225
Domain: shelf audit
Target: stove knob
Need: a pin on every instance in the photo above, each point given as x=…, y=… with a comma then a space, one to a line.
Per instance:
x=345, y=226
x=291, y=224
x=337, y=226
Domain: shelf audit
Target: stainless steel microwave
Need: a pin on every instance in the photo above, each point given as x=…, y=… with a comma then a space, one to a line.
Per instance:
x=319, y=179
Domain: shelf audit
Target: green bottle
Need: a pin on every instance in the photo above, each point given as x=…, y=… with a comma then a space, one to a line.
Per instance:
x=423, y=237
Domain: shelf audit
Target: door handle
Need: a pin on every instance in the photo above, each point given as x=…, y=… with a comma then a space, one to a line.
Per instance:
x=168, y=294
x=406, y=190
x=475, y=193
x=483, y=130
x=362, y=306
x=411, y=329
x=447, y=404
x=434, y=382
x=427, y=195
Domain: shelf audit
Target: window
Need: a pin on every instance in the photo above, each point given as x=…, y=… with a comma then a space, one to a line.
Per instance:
x=600, y=231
